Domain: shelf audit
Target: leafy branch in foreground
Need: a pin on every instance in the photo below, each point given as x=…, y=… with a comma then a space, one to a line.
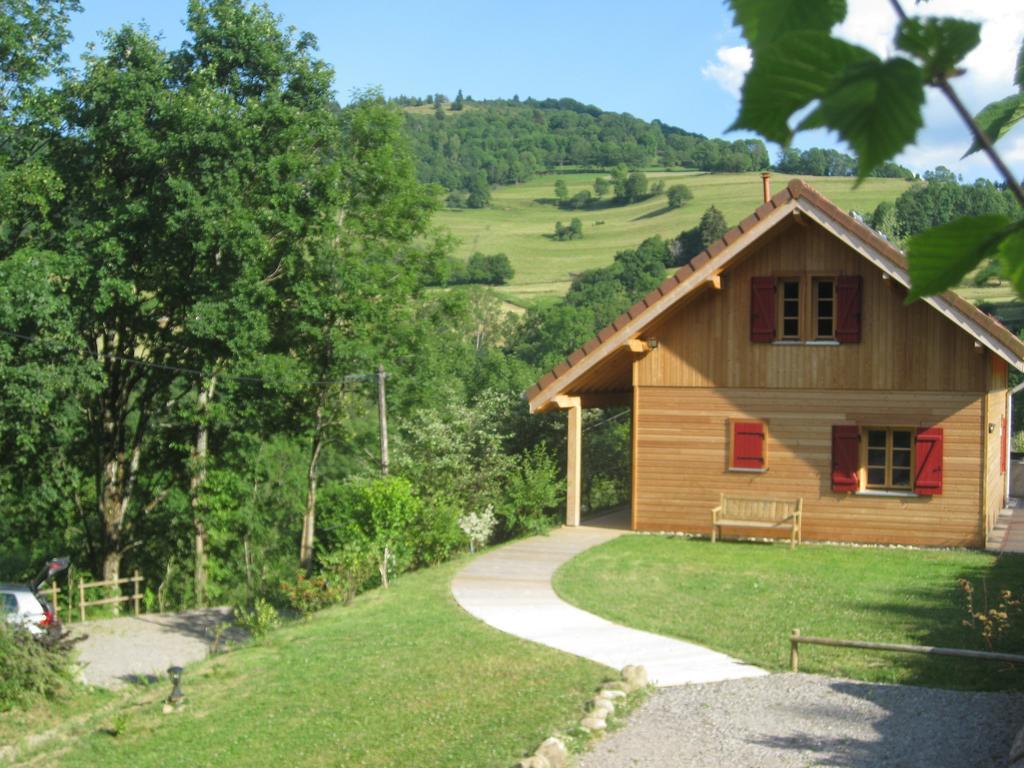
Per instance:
x=875, y=105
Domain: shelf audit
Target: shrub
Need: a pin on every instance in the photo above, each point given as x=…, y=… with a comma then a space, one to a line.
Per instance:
x=260, y=620
x=998, y=625
x=32, y=668
x=572, y=232
x=349, y=568
x=308, y=594
x=532, y=490
x=478, y=527
x=679, y=195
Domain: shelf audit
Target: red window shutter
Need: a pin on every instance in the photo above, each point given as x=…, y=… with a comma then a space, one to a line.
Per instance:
x=1002, y=448
x=848, y=304
x=762, y=309
x=845, y=458
x=747, y=445
x=928, y=469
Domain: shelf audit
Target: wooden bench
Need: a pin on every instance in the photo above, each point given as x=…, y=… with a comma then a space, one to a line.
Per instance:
x=741, y=512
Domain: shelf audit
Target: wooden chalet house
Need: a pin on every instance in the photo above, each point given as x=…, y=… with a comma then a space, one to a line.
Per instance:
x=782, y=362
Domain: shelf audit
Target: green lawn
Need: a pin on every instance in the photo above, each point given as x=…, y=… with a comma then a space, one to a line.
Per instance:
x=403, y=677
x=745, y=599
x=523, y=215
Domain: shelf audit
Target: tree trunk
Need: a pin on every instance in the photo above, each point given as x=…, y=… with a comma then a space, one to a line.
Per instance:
x=200, y=453
x=309, y=519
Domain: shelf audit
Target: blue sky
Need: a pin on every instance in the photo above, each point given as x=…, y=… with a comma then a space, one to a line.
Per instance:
x=677, y=61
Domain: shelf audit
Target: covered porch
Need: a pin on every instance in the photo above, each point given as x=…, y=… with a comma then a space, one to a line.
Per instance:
x=606, y=386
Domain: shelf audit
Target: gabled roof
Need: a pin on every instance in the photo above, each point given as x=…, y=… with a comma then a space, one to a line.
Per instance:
x=613, y=339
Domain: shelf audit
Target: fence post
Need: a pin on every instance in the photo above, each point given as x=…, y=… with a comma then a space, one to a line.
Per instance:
x=136, y=596
x=794, y=652
x=81, y=598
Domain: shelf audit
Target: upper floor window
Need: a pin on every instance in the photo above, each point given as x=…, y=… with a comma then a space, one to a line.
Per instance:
x=805, y=308
x=824, y=298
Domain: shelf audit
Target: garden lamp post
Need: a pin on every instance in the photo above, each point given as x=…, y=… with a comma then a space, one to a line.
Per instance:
x=177, y=697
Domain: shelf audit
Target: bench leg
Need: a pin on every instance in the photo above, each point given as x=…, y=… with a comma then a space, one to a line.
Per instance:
x=714, y=529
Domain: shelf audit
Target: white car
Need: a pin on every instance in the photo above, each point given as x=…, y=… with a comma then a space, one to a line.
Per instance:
x=21, y=607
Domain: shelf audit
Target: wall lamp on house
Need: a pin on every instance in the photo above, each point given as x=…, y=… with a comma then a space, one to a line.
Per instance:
x=991, y=427
x=652, y=343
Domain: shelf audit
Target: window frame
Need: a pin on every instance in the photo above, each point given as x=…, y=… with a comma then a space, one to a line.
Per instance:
x=780, y=307
x=889, y=466
x=815, y=281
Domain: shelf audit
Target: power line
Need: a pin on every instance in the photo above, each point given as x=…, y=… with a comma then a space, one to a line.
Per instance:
x=605, y=421
x=180, y=369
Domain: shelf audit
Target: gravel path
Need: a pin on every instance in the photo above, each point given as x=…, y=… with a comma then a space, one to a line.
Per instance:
x=787, y=720
x=119, y=651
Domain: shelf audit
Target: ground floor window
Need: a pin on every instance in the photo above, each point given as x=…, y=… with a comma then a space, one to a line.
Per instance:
x=888, y=459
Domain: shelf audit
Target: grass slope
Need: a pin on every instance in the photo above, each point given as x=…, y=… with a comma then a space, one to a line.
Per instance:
x=403, y=677
x=522, y=217
x=745, y=599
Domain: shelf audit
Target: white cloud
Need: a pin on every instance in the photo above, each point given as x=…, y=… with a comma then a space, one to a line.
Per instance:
x=730, y=69
x=989, y=74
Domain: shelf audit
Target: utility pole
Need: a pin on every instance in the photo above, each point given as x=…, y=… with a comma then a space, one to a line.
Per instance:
x=382, y=407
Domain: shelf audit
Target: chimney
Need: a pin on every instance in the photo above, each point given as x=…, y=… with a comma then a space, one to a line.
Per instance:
x=766, y=180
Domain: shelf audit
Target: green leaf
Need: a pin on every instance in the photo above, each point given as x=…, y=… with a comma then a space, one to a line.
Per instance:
x=788, y=75
x=1011, y=255
x=941, y=256
x=765, y=21
x=875, y=107
x=940, y=44
x=997, y=118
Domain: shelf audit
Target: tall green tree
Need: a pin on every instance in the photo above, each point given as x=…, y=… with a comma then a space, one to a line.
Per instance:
x=353, y=291
x=195, y=181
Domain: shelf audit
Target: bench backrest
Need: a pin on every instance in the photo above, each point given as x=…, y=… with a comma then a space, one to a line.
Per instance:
x=768, y=510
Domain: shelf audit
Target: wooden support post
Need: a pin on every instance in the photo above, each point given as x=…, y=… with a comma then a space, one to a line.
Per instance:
x=81, y=598
x=574, y=460
x=794, y=652
x=136, y=596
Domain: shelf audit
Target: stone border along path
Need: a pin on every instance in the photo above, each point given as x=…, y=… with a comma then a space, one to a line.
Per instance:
x=510, y=589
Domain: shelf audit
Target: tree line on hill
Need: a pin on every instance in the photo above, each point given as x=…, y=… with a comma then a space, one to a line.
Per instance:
x=508, y=141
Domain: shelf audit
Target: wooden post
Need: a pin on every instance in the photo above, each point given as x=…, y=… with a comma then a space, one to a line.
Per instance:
x=137, y=595
x=54, y=590
x=81, y=598
x=382, y=407
x=794, y=652
x=574, y=460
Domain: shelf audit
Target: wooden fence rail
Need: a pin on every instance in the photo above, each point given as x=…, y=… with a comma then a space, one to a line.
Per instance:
x=136, y=595
x=796, y=639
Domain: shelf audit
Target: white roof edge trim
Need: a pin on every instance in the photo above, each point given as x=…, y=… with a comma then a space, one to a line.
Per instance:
x=666, y=302
x=938, y=303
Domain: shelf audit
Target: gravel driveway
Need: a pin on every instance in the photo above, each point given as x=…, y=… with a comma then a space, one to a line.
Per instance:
x=119, y=651
x=787, y=720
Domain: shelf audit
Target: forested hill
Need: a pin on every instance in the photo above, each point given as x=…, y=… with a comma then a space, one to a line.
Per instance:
x=466, y=146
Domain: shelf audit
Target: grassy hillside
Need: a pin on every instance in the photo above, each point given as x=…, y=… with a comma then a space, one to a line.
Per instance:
x=522, y=217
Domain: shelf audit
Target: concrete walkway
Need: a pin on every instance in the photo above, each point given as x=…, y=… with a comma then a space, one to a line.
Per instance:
x=510, y=589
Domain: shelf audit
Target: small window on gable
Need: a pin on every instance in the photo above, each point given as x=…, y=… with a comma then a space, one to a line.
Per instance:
x=789, y=308
x=747, y=447
x=824, y=297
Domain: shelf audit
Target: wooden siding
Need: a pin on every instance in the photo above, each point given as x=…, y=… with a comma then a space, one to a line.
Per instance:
x=682, y=453
x=706, y=341
x=995, y=411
